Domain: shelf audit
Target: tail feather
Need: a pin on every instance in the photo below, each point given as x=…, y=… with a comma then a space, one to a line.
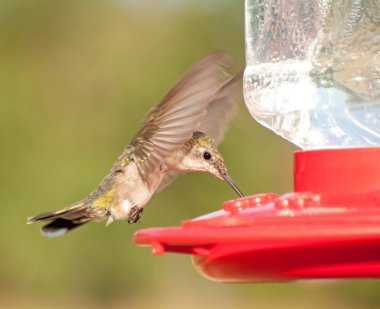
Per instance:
x=63, y=220
x=59, y=227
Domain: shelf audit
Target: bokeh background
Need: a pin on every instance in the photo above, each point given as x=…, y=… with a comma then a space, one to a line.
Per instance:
x=76, y=78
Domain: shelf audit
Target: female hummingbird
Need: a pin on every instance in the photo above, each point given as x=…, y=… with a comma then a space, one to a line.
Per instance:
x=178, y=135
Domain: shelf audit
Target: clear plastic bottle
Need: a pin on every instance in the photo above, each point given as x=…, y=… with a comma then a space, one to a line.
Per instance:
x=313, y=70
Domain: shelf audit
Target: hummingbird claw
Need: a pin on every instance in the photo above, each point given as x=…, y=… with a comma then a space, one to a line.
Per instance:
x=135, y=214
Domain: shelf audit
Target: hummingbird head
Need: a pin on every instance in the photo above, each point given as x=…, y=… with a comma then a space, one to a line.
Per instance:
x=203, y=156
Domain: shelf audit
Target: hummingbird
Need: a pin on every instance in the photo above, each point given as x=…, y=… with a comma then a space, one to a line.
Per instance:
x=178, y=135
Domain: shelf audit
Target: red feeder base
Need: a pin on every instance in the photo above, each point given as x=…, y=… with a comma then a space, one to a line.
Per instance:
x=328, y=228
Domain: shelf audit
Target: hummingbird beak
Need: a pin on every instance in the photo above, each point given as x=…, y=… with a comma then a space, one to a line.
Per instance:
x=228, y=179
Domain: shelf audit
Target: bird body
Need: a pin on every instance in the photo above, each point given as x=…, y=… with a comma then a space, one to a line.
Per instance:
x=168, y=143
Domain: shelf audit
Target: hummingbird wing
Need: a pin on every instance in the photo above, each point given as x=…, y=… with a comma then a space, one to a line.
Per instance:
x=171, y=123
x=223, y=108
x=220, y=112
x=168, y=178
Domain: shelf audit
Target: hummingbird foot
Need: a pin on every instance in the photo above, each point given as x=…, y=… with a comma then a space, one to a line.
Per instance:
x=135, y=214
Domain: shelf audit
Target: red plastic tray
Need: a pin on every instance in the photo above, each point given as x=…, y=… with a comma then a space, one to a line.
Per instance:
x=328, y=228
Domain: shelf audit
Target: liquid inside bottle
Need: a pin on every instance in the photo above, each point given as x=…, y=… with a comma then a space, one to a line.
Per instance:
x=313, y=70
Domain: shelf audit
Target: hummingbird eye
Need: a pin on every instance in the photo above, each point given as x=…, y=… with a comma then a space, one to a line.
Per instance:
x=207, y=155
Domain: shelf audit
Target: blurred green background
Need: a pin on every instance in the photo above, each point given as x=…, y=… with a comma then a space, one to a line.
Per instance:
x=76, y=78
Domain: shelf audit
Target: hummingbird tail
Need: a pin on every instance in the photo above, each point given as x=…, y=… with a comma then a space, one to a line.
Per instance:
x=63, y=220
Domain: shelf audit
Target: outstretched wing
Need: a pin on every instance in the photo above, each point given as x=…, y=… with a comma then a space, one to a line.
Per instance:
x=223, y=108
x=173, y=120
x=220, y=112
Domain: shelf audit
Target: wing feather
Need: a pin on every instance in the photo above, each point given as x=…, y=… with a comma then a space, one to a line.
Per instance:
x=223, y=108
x=220, y=112
x=173, y=120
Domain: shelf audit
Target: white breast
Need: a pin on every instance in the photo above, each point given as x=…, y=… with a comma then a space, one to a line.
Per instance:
x=133, y=191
